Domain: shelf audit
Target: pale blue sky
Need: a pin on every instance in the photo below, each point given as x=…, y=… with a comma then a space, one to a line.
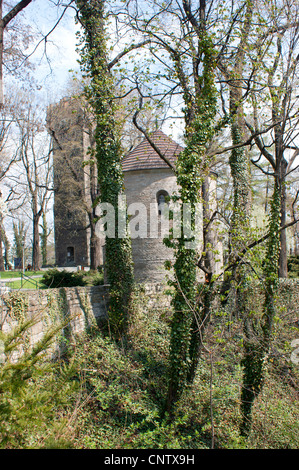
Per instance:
x=52, y=71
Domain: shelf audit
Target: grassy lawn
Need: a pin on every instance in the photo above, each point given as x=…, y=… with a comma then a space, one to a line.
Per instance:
x=52, y=278
x=9, y=274
x=26, y=284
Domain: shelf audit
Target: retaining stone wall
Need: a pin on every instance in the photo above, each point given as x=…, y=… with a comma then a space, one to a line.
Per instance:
x=85, y=306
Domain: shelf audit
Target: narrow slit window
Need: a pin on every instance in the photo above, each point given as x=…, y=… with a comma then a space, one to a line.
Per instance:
x=162, y=201
x=70, y=254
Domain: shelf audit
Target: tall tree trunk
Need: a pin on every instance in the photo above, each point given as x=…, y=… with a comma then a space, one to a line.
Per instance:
x=283, y=255
x=258, y=338
x=118, y=254
x=6, y=252
x=240, y=171
x=191, y=167
x=201, y=320
x=2, y=268
x=209, y=232
x=239, y=159
x=44, y=240
x=35, y=243
x=95, y=248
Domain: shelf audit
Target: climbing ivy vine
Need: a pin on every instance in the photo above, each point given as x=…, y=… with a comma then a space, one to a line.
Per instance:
x=257, y=343
x=191, y=168
x=118, y=258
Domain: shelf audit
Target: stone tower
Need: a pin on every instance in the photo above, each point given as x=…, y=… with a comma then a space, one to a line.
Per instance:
x=68, y=123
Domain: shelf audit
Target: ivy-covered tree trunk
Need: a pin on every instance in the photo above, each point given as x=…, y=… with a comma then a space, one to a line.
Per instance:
x=191, y=168
x=237, y=280
x=118, y=257
x=240, y=172
x=94, y=240
x=240, y=221
x=240, y=225
x=204, y=291
x=258, y=342
x=283, y=254
x=239, y=159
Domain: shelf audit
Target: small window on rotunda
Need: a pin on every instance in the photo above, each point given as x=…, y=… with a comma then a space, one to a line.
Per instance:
x=162, y=200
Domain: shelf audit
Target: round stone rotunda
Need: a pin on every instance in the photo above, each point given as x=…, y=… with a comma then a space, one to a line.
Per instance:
x=148, y=183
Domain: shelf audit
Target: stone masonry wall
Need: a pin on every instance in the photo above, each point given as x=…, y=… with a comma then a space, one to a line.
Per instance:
x=85, y=306
x=149, y=253
x=82, y=306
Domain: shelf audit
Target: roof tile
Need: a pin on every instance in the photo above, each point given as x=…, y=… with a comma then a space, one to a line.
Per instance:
x=144, y=157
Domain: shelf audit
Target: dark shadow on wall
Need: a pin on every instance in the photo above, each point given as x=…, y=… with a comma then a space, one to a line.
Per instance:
x=94, y=306
x=66, y=318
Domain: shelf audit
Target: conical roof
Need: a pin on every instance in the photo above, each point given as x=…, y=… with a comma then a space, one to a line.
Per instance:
x=144, y=157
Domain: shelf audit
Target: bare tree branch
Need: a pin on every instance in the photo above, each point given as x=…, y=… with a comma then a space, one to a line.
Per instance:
x=147, y=136
x=14, y=11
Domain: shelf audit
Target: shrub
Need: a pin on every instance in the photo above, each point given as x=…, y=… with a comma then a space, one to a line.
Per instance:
x=35, y=393
x=54, y=278
x=93, y=278
x=293, y=266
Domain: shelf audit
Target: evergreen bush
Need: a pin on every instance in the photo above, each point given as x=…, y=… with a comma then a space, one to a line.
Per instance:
x=54, y=278
x=293, y=266
x=35, y=391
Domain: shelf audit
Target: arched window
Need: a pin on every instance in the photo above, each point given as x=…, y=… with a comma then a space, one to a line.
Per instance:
x=162, y=200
